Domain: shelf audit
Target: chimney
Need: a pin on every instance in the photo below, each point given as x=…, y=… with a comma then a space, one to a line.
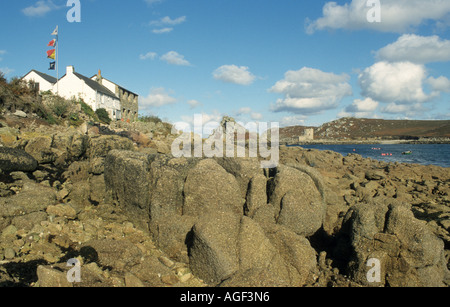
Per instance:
x=70, y=70
x=99, y=77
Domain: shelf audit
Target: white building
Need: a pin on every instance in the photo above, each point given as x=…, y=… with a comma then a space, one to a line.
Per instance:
x=39, y=81
x=97, y=92
x=129, y=101
x=97, y=96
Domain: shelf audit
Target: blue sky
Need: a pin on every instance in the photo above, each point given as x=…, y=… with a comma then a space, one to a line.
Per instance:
x=296, y=62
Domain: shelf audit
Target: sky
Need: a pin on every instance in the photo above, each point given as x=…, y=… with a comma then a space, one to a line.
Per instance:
x=294, y=62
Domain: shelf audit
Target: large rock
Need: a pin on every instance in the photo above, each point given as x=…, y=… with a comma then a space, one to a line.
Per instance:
x=255, y=249
x=410, y=255
x=117, y=254
x=301, y=214
x=151, y=189
x=256, y=194
x=213, y=252
x=100, y=146
x=209, y=187
x=229, y=250
x=195, y=212
x=8, y=135
x=12, y=160
x=41, y=149
x=72, y=143
x=243, y=169
x=298, y=254
x=297, y=198
x=127, y=178
x=52, y=278
x=32, y=198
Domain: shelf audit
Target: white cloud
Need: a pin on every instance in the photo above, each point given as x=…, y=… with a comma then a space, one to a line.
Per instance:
x=407, y=110
x=416, y=49
x=290, y=121
x=396, y=15
x=166, y=24
x=174, y=58
x=248, y=111
x=162, y=31
x=168, y=21
x=244, y=110
x=256, y=116
x=366, y=105
x=194, y=103
x=40, y=8
x=210, y=122
x=309, y=91
x=440, y=84
x=401, y=86
x=360, y=108
x=234, y=74
x=148, y=56
x=400, y=82
x=158, y=97
x=151, y=2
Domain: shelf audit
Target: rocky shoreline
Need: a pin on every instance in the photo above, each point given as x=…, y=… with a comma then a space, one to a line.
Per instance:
x=134, y=216
x=367, y=142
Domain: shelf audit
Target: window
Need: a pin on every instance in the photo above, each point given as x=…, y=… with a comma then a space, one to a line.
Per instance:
x=35, y=86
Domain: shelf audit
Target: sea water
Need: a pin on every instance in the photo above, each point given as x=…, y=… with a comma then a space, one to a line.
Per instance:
x=425, y=154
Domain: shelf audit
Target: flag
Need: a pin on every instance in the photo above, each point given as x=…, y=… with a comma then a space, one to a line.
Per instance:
x=51, y=54
x=52, y=43
x=55, y=32
x=52, y=66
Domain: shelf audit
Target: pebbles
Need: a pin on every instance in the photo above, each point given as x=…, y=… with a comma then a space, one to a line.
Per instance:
x=9, y=253
x=61, y=232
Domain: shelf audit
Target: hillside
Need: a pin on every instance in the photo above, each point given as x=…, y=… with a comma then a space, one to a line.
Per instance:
x=360, y=129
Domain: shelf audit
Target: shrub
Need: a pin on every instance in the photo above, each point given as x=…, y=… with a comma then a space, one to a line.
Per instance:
x=45, y=114
x=87, y=109
x=60, y=106
x=150, y=119
x=19, y=87
x=3, y=78
x=74, y=120
x=103, y=116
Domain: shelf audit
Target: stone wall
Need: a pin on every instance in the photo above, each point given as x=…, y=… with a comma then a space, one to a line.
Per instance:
x=129, y=104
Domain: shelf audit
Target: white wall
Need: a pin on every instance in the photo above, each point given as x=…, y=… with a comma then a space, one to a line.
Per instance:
x=109, y=85
x=44, y=85
x=70, y=86
x=111, y=104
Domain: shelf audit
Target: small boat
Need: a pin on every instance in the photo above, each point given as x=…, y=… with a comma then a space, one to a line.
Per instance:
x=409, y=152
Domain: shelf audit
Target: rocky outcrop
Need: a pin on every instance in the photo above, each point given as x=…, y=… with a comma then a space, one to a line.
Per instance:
x=410, y=254
x=206, y=212
x=236, y=224
x=133, y=215
x=12, y=160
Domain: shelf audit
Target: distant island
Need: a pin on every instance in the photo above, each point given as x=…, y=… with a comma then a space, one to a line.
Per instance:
x=369, y=131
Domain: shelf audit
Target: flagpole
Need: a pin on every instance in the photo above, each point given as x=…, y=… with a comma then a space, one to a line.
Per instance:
x=57, y=60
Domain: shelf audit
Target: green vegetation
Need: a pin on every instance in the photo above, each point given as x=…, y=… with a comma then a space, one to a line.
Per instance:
x=19, y=95
x=86, y=109
x=103, y=116
x=59, y=106
x=150, y=119
x=75, y=120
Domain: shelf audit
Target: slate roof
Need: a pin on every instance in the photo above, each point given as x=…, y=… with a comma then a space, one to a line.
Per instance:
x=120, y=87
x=89, y=82
x=95, y=85
x=46, y=77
